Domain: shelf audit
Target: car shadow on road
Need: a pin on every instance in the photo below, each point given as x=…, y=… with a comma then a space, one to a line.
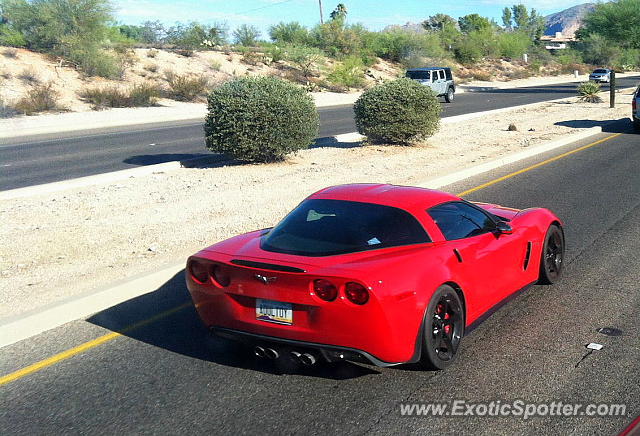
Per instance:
x=621, y=125
x=166, y=319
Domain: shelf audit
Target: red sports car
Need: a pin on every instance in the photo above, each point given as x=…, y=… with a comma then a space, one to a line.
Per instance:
x=376, y=273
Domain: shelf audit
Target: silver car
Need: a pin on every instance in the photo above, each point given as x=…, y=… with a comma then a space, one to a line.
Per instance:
x=600, y=75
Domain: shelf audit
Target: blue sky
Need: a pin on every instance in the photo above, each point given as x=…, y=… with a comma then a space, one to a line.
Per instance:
x=375, y=14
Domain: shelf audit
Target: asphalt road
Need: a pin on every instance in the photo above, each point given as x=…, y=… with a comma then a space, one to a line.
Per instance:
x=49, y=158
x=169, y=377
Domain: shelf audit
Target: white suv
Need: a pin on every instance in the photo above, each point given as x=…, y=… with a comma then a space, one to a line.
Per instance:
x=439, y=79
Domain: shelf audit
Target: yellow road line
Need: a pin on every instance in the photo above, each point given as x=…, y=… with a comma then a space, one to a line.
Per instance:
x=86, y=346
x=538, y=165
x=111, y=336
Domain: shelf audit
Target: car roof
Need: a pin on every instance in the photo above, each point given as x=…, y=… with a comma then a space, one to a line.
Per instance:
x=403, y=197
x=428, y=68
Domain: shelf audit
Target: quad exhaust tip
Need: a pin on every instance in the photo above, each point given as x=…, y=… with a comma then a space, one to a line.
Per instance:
x=268, y=353
x=307, y=359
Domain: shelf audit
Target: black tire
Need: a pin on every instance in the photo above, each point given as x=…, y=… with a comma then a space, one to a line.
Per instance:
x=552, y=258
x=443, y=329
x=636, y=125
x=450, y=95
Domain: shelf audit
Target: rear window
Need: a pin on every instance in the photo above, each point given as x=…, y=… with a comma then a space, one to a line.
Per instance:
x=419, y=75
x=329, y=227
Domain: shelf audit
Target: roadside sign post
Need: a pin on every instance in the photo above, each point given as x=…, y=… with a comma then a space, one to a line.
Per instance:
x=612, y=90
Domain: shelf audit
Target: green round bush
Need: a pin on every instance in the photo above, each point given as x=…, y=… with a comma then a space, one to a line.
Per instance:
x=260, y=119
x=397, y=112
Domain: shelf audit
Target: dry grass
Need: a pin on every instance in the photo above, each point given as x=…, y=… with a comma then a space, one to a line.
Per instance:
x=140, y=95
x=39, y=98
x=10, y=53
x=186, y=87
x=29, y=76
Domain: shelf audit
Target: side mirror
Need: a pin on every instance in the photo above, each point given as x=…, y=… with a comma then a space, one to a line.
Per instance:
x=504, y=228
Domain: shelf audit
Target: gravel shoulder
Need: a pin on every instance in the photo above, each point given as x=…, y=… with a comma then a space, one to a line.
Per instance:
x=62, y=244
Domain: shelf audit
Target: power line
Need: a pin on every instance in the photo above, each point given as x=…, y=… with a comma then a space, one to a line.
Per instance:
x=264, y=7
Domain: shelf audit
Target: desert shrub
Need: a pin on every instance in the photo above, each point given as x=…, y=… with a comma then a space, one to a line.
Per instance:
x=394, y=45
x=588, y=91
x=144, y=94
x=185, y=52
x=570, y=68
x=11, y=37
x=195, y=35
x=152, y=53
x=519, y=74
x=216, y=65
x=250, y=57
x=10, y=53
x=289, y=33
x=483, y=76
x=468, y=52
x=397, y=112
x=246, y=35
x=513, y=44
x=276, y=53
x=307, y=59
x=629, y=59
x=349, y=73
x=152, y=68
x=6, y=111
x=535, y=67
x=185, y=87
x=260, y=119
x=569, y=56
x=39, y=98
x=95, y=61
x=29, y=76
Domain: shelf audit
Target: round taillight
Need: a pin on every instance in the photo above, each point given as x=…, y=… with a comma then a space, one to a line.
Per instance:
x=221, y=275
x=199, y=271
x=356, y=293
x=325, y=289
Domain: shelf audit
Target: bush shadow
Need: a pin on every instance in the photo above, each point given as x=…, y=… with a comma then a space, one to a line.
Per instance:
x=165, y=318
x=332, y=142
x=621, y=125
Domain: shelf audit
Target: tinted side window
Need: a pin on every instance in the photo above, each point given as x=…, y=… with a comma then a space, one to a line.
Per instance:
x=441, y=74
x=459, y=220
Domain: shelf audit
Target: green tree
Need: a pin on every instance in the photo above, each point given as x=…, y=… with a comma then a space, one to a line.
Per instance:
x=617, y=21
x=289, y=33
x=473, y=22
x=520, y=16
x=439, y=22
x=56, y=25
x=536, y=26
x=246, y=35
x=339, y=13
x=506, y=18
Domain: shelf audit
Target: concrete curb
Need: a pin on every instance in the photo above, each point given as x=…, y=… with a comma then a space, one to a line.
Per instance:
x=24, y=326
x=21, y=327
x=113, y=176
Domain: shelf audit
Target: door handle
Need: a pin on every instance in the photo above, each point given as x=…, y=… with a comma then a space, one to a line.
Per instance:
x=458, y=255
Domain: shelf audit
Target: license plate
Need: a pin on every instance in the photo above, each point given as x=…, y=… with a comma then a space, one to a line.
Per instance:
x=274, y=311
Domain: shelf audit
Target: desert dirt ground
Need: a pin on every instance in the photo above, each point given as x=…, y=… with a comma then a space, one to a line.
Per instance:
x=62, y=244
x=21, y=69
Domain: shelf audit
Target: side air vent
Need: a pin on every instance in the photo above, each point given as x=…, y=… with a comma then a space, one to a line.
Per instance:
x=527, y=255
x=269, y=266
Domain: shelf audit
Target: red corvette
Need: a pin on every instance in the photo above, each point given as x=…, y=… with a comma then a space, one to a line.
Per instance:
x=376, y=273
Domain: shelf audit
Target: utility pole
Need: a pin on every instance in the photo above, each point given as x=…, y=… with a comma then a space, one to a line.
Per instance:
x=321, y=18
x=612, y=89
